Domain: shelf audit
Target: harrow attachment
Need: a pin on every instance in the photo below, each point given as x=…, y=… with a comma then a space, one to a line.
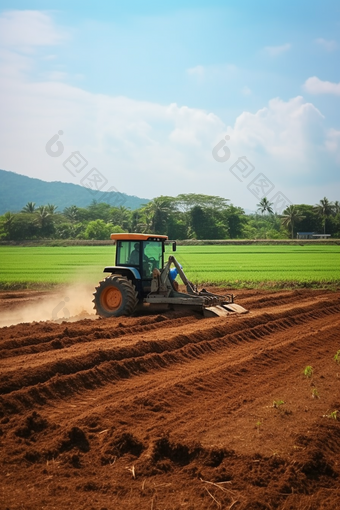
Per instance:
x=164, y=290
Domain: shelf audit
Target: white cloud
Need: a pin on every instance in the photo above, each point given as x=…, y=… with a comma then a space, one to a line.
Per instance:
x=25, y=30
x=148, y=149
x=274, y=51
x=288, y=143
x=326, y=44
x=133, y=143
x=285, y=131
x=316, y=86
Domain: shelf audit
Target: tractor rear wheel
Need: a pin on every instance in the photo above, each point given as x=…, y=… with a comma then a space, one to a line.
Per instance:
x=115, y=296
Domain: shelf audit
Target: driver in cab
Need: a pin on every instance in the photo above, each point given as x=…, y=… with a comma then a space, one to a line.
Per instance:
x=134, y=256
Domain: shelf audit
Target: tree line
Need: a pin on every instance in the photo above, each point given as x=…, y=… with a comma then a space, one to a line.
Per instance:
x=187, y=216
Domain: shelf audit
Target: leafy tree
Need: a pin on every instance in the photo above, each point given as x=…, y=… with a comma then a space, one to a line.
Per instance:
x=337, y=226
x=25, y=226
x=70, y=230
x=98, y=229
x=157, y=212
x=187, y=201
x=185, y=216
x=7, y=222
x=311, y=222
x=235, y=220
x=324, y=209
x=84, y=215
x=263, y=226
x=20, y=226
x=249, y=230
x=275, y=234
x=199, y=222
x=117, y=229
x=99, y=211
x=205, y=224
x=136, y=221
x=333, y=225
x=290, y=217
x=177, y=227
x=121, y=216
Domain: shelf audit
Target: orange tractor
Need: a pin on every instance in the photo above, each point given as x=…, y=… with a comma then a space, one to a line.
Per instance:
x=140, y=277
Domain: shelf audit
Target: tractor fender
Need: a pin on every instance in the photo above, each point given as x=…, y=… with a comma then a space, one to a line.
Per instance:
x=130, y=272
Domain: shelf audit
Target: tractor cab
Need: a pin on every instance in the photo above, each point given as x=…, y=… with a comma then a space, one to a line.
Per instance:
x=144, y=255
x=137, y=255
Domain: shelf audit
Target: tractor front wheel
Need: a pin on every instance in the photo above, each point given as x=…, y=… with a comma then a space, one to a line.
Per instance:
x=115, y=296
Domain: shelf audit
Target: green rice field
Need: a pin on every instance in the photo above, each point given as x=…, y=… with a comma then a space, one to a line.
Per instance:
x=258, y=265
x=235, y=266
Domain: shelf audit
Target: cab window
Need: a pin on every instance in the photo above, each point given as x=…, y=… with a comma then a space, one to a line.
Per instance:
x=128, y=253
x=152, y=257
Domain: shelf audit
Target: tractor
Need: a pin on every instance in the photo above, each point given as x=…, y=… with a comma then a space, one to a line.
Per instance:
x=140, y=277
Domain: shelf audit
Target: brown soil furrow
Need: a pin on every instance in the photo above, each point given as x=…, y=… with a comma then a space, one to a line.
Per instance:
x=255, y=359
x=211, y=328
x=103, y=338
x=175, y=412
x=70, y=336
x=16, y=337
x=263, y=299
x=94, y=369
x=183, y=402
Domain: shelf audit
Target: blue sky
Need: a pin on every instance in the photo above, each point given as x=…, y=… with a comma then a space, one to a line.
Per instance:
x=145, y=90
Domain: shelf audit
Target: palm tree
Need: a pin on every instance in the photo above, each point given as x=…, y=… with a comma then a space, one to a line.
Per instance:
x=29, y=207
x=51, y=208
x=324, y=208
x=265, y=206
x=43, y=216
x=291, y=216
x=158, y=211
x=122, y=216
x=71, y=213
x=7, y=222
x=336, y=207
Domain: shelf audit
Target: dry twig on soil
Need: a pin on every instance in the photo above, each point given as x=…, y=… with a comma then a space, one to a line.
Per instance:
x=132, y=470
x=216, y=501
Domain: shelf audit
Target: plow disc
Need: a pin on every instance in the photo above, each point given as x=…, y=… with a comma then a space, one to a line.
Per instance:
x=223, y=310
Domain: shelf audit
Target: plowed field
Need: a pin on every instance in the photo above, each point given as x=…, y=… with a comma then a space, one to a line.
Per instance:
x=174, y=411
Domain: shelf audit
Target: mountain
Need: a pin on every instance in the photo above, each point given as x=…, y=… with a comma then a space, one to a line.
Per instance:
x=16, y=190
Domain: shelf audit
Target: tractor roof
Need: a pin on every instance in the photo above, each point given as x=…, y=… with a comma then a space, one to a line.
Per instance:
x=138, y=237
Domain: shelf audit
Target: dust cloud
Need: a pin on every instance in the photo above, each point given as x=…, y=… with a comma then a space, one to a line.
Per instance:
x=72, y=303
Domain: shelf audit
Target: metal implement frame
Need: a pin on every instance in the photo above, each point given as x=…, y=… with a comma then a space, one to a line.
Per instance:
x=166, y=294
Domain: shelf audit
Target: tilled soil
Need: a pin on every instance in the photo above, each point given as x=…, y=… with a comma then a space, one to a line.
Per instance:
x=172, y=410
